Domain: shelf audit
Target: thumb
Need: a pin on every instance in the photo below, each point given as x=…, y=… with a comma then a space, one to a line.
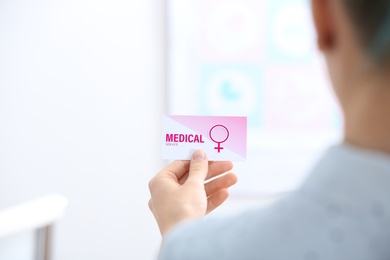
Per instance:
x=198, y=167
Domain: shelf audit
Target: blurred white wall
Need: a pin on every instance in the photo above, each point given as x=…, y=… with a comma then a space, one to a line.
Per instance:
x=81, y=97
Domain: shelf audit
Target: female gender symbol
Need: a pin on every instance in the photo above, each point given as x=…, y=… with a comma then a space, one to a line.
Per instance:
x=219, y=134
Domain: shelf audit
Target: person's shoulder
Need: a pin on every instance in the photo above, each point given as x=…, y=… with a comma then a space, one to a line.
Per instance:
x=302, y=225
x=241, y=236
x=206, y=238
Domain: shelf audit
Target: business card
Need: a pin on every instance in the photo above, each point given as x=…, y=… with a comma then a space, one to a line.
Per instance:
x=222, y=138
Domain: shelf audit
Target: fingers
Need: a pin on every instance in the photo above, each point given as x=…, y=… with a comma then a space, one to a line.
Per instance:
x=179, y=170
x=217, y=168
x=215, y=200
x=220, y=183
x=198, y=168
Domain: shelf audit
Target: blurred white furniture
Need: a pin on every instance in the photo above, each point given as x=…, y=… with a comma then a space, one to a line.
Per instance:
x=36, y=216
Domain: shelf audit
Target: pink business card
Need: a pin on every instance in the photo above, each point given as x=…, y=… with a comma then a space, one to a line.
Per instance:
x=222, y=138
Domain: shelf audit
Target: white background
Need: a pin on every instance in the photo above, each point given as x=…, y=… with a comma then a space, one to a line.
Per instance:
x=81, y=99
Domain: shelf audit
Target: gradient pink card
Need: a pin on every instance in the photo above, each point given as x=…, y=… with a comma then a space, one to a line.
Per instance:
x=223, y=138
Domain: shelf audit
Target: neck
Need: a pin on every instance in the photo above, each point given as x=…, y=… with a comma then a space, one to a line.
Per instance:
x=367, y=114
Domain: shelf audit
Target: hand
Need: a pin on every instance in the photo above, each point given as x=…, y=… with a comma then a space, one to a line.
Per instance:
x=179, y=192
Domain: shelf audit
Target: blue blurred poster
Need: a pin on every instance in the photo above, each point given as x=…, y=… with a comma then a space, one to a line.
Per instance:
x=232, y=90
x=255, y=58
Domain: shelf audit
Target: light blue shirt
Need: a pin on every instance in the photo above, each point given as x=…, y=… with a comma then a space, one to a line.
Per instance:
x=341, y=212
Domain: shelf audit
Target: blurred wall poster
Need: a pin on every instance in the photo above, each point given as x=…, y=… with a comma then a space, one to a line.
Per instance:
x=255, y=58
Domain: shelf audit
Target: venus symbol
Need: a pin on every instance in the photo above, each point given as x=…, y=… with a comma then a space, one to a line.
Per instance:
x=219, y=134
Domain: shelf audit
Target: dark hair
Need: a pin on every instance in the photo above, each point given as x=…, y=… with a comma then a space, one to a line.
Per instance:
x=372, y=22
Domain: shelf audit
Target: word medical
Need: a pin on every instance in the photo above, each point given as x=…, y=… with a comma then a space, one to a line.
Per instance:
x=184, y=138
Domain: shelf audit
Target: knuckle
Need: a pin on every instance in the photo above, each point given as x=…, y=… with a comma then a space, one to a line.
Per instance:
x=151, y=184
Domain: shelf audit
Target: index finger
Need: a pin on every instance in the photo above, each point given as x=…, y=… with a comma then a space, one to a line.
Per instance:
x=217, y=168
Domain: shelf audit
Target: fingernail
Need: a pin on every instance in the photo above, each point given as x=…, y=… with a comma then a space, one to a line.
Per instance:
x=199, y=155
